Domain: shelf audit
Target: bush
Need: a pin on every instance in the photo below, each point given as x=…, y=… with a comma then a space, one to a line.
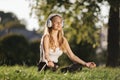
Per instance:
x=14, y=49
x=64, y=60
x=85, y=51
x=34, y=53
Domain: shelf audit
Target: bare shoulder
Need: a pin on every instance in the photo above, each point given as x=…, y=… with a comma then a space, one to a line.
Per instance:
x=46, y=37
x=65, y=39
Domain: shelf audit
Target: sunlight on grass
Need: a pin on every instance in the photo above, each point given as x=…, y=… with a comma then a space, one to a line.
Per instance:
x=31, y=73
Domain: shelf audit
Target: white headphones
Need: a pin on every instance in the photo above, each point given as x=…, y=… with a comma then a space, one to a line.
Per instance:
x=49, y=22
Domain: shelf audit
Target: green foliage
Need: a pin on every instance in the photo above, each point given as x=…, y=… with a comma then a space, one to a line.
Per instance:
x=34, y=54
x=12, y=24
x=9, y=20
x=14, y=49
x=79, y=17
x=79, y=23
x=6, y=17
x=115, y=3
x=85, y=51
x=1, y=27
x=64, y=60
x=30, y=73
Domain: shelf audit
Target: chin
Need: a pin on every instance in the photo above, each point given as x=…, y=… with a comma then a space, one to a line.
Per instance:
x=59, y=28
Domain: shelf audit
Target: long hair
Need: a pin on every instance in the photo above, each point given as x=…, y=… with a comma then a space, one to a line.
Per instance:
x=60, y=35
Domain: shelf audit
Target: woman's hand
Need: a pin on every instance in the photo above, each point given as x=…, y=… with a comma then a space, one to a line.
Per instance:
x=50, y=64
x=90, y=65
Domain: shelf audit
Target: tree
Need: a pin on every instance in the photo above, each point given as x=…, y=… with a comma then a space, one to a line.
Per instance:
x=81, y=15
x=79, y=21
x=113, y=34
x=6, y=17
x=9, y=19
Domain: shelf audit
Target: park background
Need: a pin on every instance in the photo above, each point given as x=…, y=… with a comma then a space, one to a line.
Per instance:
x=91, y=27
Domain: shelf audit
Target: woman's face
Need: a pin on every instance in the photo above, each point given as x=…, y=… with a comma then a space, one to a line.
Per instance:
x=57, y=23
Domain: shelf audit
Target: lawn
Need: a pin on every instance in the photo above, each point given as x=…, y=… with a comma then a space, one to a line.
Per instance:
x=31, y=73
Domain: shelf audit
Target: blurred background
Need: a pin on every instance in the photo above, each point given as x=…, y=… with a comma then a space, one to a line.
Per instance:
x=91, y=27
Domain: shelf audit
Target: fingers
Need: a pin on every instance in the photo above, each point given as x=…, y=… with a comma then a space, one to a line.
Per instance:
x=92, y=65
x=87, y=64
x=51, y=64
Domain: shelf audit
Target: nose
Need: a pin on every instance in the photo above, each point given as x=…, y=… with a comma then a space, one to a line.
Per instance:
x=60, y=24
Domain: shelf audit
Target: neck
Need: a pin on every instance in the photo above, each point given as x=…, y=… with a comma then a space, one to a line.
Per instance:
x=54, y=33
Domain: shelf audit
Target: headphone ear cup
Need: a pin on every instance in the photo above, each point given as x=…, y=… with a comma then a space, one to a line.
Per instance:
x=49, y=23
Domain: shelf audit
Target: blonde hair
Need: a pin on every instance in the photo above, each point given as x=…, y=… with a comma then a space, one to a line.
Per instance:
x=60, y=36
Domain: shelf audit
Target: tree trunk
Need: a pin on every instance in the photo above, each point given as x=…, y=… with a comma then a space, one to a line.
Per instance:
x=113, y=38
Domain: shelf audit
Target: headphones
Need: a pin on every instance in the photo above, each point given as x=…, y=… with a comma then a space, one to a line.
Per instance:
x=49, y=22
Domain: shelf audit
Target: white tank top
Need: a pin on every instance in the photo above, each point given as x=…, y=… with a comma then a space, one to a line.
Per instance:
x=53, y=55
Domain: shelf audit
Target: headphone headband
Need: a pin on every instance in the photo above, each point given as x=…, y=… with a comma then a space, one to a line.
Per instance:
x=49, y=22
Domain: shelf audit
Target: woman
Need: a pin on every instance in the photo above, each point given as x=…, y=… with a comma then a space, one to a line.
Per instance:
x=53, y=44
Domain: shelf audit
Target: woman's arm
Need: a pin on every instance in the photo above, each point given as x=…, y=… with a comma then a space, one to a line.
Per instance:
x=73, y=57
x=46, y=50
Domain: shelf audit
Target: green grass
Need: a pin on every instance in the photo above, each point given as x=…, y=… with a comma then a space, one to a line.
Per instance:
x=30, y=73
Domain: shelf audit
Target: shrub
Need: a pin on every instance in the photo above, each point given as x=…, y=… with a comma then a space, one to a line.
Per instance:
x=85, y=51
x=34, y=53
x=14, y=49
